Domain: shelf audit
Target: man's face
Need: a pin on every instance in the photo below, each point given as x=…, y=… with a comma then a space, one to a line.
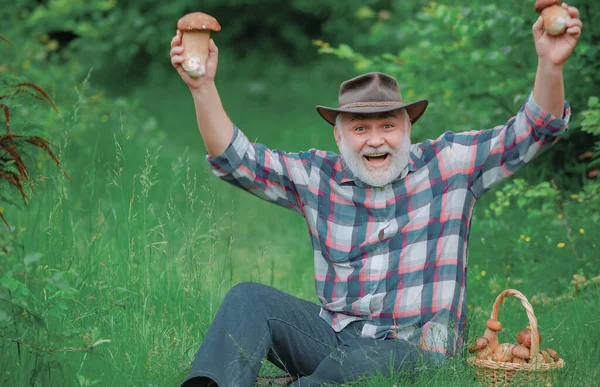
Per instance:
x=376, y=147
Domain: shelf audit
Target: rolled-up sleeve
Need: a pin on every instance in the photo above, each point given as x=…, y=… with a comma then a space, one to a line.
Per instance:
x=271, y=175
x=489, y=156
x=228, y=161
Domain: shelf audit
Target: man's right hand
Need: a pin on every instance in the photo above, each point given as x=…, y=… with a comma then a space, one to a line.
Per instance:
x=211, y=63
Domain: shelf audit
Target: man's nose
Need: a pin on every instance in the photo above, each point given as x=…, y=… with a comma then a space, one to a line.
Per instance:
x=375, y=141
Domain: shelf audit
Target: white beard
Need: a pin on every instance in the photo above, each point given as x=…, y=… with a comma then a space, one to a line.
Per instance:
x=376, y=177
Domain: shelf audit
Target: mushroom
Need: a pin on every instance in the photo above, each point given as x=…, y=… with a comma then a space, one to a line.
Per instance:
x=546, y=356
x=195, y=28
x=524, y=337
x=520, y=352
x=478, y=345
x=492, y=326
x=554, y=16
x=485, y=354
x=503, y=353
x=538, y=358
x=553, y=354
x=518, y=360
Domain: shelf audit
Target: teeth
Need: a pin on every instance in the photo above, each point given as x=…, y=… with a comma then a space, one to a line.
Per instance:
x=376, y=154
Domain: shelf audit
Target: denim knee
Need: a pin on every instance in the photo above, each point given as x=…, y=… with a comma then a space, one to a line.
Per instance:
x=246, y=294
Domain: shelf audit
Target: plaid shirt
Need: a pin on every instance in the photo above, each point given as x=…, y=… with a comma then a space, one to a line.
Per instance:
x=394, y=256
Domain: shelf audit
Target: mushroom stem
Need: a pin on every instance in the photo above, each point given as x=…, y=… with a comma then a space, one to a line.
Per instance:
x=492, y=339
x=195, y=53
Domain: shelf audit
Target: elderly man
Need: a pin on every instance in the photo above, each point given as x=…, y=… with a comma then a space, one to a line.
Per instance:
x=389, y=223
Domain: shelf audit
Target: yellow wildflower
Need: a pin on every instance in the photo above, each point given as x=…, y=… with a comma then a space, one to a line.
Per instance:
x=560, y=245
x=483, y=273
x=559, y=216
x=581, y=231
x=53, y=45
x=522, y=236
x=527, y=239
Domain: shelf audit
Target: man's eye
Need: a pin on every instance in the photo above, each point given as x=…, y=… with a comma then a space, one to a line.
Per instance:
x=388, y=126
x=359, y=128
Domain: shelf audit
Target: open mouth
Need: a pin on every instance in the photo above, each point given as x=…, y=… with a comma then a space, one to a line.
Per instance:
x=377, y=159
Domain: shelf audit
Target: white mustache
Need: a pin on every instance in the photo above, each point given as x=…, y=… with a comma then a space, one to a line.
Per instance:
x=374, y=151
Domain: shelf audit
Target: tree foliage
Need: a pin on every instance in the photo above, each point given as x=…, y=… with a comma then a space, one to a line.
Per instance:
x=475, y=61
x=476, y=64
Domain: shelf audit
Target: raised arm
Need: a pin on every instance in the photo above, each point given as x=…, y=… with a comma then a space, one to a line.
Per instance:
x=487, y=157
x=553, y=51
x=272, y=175
x=215, y=126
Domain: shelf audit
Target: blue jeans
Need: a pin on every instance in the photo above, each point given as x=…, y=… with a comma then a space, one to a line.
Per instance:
x=256, y=322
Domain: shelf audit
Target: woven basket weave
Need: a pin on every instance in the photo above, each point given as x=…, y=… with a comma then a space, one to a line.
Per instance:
x=495, y=374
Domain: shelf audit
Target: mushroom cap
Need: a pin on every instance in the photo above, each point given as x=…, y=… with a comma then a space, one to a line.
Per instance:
x=541, y=4
x=547, y=357
x=479, y=344
x=524, y=337
x=503, y=352
x=552, y=353
x=494, y=325
x=521, y=352
x=485, y=354
x=198, y=21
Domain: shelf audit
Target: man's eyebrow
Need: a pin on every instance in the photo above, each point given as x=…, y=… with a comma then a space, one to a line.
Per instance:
x=357, y=117
x=376, y=116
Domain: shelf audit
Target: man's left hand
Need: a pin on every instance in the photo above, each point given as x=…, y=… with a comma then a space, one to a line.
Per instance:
x=556, y=49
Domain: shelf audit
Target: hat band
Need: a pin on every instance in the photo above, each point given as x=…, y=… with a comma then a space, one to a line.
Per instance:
x=369, y=104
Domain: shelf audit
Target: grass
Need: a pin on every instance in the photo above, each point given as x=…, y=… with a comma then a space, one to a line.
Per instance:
x=141, y=249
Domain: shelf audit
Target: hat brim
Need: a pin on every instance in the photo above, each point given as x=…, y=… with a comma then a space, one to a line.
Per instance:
x=414, y=109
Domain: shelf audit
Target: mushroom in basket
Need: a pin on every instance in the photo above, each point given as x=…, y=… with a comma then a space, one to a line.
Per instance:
x=524, y=337
x=520, y=354
x=492, y=326
x=481, y=347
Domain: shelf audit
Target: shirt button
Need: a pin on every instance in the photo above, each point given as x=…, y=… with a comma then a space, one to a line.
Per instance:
x=381, y=235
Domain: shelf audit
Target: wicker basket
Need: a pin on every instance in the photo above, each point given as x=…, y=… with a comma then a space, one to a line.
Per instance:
x=495, y=374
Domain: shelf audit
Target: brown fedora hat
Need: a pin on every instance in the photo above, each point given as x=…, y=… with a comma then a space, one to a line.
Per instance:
x=372, y=93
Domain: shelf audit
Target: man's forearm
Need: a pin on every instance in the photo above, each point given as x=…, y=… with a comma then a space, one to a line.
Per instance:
x=215, y=126
x=549, y=89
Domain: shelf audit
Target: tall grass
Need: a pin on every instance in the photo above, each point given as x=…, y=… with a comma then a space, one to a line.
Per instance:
x=136, y=255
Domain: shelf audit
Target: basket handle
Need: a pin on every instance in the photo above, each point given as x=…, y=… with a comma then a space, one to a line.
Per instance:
x=535, y=336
